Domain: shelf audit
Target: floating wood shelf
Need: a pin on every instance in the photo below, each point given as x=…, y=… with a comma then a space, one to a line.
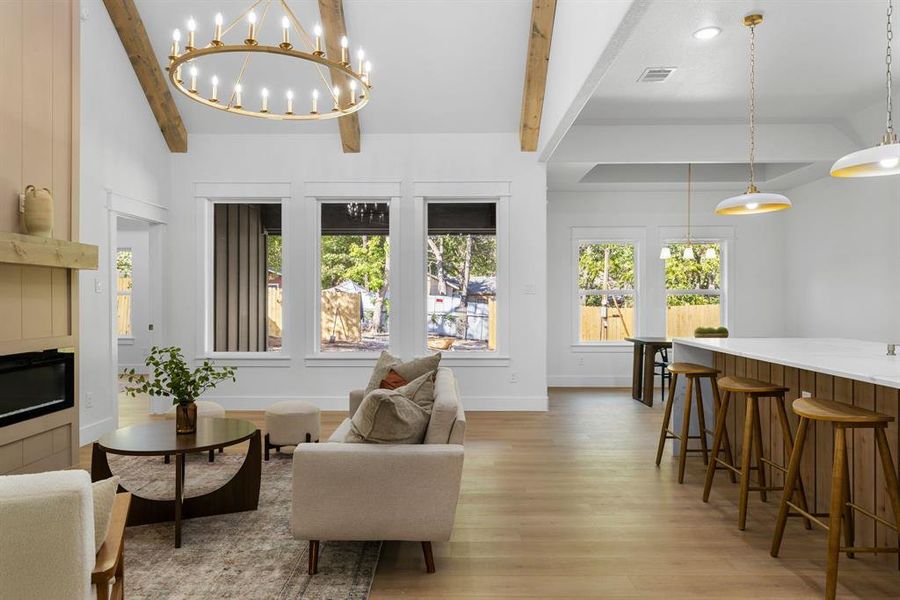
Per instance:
x=21, y=249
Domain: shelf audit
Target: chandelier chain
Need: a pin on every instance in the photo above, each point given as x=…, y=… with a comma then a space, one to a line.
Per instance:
x=752, y=103
x=689, y=204
x=888, y=59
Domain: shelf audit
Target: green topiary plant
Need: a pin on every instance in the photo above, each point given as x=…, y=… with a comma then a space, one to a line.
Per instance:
x=170, y=376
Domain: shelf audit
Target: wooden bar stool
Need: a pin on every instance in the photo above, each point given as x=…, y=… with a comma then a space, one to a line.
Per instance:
x=842, y=417
x=752, y=390
x=693, y=373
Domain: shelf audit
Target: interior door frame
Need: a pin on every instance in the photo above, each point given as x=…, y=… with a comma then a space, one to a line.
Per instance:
x=156, y=216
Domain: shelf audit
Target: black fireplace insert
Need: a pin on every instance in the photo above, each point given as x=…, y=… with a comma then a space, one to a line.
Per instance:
x=35, y=384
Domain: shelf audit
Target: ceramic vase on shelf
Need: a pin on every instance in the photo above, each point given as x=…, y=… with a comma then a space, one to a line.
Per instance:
x=38, y=209
x=186, y=417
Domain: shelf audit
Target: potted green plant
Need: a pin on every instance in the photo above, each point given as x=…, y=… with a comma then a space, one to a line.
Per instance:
x=170, y=376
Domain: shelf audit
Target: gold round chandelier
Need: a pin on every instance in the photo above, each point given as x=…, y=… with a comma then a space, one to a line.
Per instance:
x=351, y=91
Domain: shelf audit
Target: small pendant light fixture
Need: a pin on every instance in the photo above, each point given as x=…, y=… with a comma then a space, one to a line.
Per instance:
x=752, y=201
x=883, y=159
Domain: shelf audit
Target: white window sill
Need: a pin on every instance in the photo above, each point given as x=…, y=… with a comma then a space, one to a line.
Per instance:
x=247, y=359
x=616, y=347
x=126, y=341
x=342, y=359
x=473, y=359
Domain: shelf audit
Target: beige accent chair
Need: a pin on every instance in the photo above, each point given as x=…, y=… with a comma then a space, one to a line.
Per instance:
x=401, y=492
x=47, y=539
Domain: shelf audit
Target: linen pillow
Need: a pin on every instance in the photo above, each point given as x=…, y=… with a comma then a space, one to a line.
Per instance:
x=407, y=370
x=104, y=492
x=397, y=416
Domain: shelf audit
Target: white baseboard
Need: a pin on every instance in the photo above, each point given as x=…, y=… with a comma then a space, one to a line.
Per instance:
x=603, y=381
x=470, y=403
x=92, y=432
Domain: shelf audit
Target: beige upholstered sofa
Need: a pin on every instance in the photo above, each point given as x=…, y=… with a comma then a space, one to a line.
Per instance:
x=345, y=491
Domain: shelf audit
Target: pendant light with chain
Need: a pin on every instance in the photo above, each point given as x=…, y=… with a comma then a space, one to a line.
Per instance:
x=753, y=201
x=688, y=253
x=883, y=159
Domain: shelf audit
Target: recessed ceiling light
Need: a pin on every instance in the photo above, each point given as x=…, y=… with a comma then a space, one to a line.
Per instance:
x=707, y=33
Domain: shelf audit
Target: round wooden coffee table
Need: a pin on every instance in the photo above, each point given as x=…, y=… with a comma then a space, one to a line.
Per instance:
x=158, y=438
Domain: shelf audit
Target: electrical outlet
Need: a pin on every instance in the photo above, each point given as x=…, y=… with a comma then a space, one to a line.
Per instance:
x=805, y=394
x=514, y=377
x=89, y=400
x=530, y=289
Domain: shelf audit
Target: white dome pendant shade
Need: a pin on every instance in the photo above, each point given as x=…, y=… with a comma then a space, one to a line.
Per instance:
x=753, y=202
x=665, y=253
x=883, y=159
x=876, y=161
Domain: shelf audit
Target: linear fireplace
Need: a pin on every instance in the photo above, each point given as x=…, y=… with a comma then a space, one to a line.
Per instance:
x=35, y=384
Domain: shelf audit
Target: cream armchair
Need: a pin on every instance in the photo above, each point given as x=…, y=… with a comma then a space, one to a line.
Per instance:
x=382, y=492
x=47, y=539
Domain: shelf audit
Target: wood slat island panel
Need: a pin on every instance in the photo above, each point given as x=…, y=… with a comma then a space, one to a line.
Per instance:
x=868, y=489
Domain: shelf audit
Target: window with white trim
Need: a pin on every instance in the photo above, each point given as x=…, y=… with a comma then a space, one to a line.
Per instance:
x=607, y=290
x=461, y=276
x=355, y=274
x=694, y=287
x=124, y=285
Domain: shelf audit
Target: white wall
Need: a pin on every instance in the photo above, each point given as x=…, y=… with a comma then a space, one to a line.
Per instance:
x=516, y=382
x=754, y=287
x=122, y=155
x=842, y=244
x=133, y=349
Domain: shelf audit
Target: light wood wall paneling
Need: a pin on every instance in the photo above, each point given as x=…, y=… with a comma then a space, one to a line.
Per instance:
x=808, y=466
x=776, y=437
x=10, y=301
x=37, y=302
x=10, y=115
x=37, y=95
x=62, y=126
x=60, y=313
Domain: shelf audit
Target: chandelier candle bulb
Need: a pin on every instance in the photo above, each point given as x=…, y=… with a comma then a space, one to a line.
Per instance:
x=251, y=34
x=176, y=37
x=192, y=28
x=265, y=100
x=215, y=89
x=178, y=74
x=315, y=103
x=285, y=34
x=345, y=52
x=367, y=73
x=290, y=102
x=317, y=31
x=194, y=73
x=337, y=98
x=217, y=36
x=237, y=95
x=352, y=92
x=360, y=57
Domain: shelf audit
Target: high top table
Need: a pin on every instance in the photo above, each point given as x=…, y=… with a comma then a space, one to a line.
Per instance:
x=645, y=349
x=158, y=438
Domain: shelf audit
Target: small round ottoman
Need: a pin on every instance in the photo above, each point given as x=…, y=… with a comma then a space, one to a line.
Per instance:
x=289, y=423
x=205, y=408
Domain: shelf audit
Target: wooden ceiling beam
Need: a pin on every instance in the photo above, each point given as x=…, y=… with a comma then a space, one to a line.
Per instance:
x=334, y=27
x=543, y=12
x=130, y=27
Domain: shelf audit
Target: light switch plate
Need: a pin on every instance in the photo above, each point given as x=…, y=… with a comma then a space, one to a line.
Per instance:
x=98, y=286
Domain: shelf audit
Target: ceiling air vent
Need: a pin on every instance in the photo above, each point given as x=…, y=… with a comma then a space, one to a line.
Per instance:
x=656, y=74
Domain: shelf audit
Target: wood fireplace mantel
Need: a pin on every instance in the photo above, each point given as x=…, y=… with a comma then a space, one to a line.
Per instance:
x=19, y=249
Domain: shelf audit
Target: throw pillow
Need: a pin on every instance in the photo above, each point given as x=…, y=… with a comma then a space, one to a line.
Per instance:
x=407, y=370
x=397, y=416
x=392, y=381
x=104, y=492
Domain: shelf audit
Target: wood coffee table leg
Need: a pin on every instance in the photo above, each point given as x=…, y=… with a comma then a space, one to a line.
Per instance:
x=179, y=496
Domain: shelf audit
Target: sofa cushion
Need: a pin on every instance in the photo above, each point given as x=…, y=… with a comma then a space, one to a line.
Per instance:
x=104, y=494
x=407, y=370
x=398, y=416
x=340, y=434
x=444, y=409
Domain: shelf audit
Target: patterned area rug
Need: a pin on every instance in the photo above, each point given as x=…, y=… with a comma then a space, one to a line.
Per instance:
x=242, y=555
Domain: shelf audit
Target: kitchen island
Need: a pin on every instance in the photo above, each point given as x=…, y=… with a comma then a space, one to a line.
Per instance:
x=851, y=371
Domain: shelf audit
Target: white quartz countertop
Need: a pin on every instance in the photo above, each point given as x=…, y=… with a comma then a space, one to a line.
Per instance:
x=853, y=359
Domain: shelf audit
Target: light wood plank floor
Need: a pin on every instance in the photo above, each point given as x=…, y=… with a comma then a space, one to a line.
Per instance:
x=569, y=504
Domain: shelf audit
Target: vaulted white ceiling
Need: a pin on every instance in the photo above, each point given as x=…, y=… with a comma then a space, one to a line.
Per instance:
x=438, y=65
